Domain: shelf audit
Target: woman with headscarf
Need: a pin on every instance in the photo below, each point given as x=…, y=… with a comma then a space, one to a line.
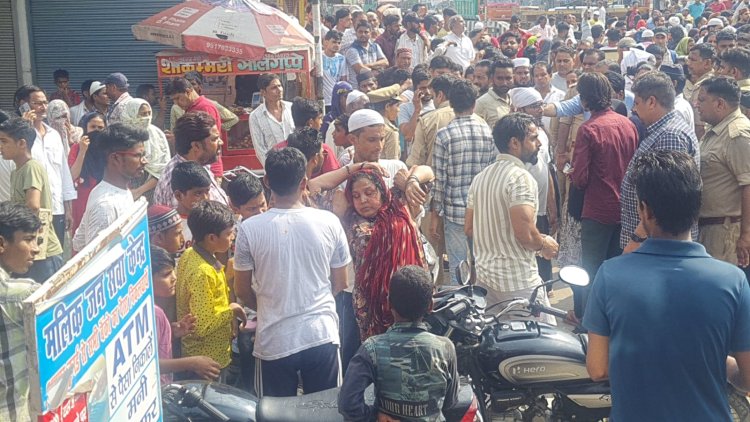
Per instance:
x=83, y=178
x=138, y=113
x=382, y=238
x=58, y=116
x=338, y=107
x=683, y=47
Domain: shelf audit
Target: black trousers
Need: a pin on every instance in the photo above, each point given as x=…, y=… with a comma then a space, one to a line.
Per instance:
x=58, y=222
x=544, y=265
x=318, y=366
x=599, y=242
x=348, y=329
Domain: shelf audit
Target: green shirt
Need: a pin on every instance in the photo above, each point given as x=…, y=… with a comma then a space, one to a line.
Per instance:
x=32, y=175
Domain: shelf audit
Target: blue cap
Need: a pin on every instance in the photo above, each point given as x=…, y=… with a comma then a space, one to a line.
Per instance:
x=117, y=79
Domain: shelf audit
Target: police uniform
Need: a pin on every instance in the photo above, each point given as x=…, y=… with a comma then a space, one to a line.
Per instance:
x=414, y=372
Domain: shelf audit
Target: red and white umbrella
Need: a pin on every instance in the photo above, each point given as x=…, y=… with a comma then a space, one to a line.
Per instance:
x=245, y=29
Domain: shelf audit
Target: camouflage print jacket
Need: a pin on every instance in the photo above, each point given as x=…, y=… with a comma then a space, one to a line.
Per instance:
x=414, y=372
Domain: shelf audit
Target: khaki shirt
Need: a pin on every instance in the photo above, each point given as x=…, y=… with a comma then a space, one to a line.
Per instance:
x=391, y=146
x=744, y=85
x=725, y=166
x=690, y=93
x=425, y=133
x=491, y=107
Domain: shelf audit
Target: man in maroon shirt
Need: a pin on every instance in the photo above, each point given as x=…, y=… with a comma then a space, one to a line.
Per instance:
x=188, y=99
x=603, y=149
x=387, y=40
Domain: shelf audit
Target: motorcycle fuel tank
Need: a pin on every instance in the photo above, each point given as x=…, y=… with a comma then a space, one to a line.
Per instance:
x=527, y=352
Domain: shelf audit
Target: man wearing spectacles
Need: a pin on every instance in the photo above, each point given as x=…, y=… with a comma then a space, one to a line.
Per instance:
x=48, y=149
x=119, y=154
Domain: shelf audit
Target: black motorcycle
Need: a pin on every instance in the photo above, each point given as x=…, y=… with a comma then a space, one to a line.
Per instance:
x=525, y=370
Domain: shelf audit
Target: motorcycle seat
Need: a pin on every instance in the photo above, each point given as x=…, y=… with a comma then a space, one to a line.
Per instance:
x=323, y=406
x=315, y=407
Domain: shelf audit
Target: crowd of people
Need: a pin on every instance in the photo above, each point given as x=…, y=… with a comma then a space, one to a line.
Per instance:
x=620, y=145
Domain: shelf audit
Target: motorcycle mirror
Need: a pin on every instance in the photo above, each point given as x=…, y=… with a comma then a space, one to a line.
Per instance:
x=463, y=273
x=574, y=275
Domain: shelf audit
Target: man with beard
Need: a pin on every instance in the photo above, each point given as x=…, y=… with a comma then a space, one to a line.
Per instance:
x=495, y=104
x=482, y=76
x=364, y=54
x=120, y=150
x=389, y=38
x=414, y=40
x=419, y=102
x=502, y=204
x=509, y=42
x=604, y=145
x=529, y=101
x=522, y=72
x=196, y=139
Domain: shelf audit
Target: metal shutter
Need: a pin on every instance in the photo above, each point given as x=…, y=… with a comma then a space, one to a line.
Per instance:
x=91, y=39
x=9, y=70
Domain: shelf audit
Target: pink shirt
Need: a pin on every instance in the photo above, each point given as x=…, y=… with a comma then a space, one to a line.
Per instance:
x=164, y=340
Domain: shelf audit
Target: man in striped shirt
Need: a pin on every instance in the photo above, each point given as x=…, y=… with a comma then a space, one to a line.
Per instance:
x=501, y=215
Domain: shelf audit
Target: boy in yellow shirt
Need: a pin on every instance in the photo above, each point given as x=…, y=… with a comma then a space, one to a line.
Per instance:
x=202, y=287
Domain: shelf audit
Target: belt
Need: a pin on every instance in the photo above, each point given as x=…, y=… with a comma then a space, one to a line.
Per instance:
x=713, y=221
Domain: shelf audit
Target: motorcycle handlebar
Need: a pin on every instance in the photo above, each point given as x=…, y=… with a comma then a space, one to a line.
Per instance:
x=192, y=397
x=549, y=310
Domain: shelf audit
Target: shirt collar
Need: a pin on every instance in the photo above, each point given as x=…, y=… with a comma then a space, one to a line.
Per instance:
x=744, y=82
x=408, y=326
x=494, y=95
x=737, y=114
x=444, y=104
x=513, y=159
x=209, y=257
x=672, y=248
x=661, y=122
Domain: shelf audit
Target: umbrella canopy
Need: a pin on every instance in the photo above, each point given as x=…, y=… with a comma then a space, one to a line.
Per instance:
x=245, y=29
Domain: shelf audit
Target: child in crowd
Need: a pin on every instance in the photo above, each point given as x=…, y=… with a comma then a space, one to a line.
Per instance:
x=18, y=247
x=30, y=186
x=202, y=287
x=190, y=184
x=246, y=196
x=163, y=275
x=165, y=228
x=402, y=388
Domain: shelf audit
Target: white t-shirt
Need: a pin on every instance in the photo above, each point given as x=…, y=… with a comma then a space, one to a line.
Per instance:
x=559, y=82
x=106, y=203
x=291, y=253
x=540, y=172
x=334, y=69
x=463, y=52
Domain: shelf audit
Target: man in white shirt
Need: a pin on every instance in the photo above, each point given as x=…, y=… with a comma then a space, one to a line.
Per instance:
x=542, y=30
x=459, y=47
x=681, y=105
x=85, y=106
x=414, y=40
x=122, y=147
x=630, y=56
x=367, y=135
x=48, y=149
x=565, y=60
x=283, y=260
x=117, y=91
x=271, y=122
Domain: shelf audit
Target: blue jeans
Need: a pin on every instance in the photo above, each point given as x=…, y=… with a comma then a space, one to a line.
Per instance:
x=455, y=246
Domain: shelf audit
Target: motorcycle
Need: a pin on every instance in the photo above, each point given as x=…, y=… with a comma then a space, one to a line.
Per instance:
x=526, y=370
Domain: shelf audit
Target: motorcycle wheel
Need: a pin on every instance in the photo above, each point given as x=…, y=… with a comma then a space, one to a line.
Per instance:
x=738, y=405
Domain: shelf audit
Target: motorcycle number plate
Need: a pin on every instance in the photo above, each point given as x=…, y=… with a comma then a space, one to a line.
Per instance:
x=517, y=326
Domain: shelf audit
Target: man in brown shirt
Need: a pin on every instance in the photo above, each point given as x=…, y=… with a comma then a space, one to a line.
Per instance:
x=725, y=169
x=700, y=63
x=429, y=123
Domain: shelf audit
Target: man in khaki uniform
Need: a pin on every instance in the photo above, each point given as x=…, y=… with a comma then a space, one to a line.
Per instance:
x=424, y=141
x=495, y=104
x=725, y=169
x=700, y=63
x=429, y=123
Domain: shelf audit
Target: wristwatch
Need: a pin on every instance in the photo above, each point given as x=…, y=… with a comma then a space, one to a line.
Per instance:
x=637, y=239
